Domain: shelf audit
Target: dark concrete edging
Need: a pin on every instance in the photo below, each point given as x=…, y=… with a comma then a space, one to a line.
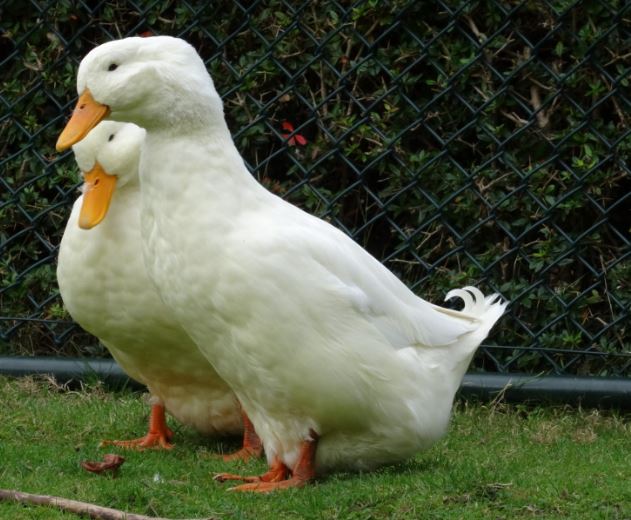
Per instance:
x=586, y=391
x=69, y=370
x=573, y=390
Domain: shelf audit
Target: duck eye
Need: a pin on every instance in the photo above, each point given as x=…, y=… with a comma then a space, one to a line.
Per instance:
x=110, y=137
x=113, y=66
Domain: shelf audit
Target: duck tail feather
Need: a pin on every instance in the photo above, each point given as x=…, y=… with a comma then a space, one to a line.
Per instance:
x=476, y=304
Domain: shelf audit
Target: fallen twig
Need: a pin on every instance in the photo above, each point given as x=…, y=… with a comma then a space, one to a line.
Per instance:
x=72, y=506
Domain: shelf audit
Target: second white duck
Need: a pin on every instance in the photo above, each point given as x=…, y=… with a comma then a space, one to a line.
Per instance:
x=105, y=287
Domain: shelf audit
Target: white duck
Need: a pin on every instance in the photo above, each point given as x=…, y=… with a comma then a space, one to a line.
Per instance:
x=336, y=361
x=104, y=285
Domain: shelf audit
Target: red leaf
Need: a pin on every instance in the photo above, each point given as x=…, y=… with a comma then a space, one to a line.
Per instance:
x=294, y=139
x=111, y=462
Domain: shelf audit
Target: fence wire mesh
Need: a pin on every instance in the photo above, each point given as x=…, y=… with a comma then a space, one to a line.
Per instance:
x=461, y=143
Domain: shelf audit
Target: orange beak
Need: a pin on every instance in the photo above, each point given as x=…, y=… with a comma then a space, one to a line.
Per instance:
x=87, y=114
x=98, y=190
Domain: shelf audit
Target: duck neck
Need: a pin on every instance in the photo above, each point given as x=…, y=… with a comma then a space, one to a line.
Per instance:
x=198, y=173
x=204, y=155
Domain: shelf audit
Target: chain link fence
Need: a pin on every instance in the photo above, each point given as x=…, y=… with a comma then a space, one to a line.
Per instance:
x=461, y=143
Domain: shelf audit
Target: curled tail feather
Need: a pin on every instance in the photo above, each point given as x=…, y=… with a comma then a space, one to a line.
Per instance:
x=475, y=303
x=482, y=310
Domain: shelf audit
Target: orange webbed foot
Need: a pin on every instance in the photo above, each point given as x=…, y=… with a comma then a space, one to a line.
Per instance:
x=244, y=454
x=268, y=487
x=150, y=440
x=276, y=478
x=277, y=472
x=158, y=437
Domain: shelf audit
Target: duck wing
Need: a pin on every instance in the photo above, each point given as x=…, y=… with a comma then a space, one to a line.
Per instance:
x=317, y=263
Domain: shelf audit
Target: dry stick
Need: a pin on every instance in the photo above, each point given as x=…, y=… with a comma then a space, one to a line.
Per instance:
x=535, y=101
x=72, y=506
x=474, y=29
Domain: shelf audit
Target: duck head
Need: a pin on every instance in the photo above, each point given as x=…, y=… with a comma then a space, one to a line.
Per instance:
x=108, y=158
x=156, y=81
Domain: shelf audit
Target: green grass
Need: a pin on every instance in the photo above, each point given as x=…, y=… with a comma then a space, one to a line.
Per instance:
x=497, y=461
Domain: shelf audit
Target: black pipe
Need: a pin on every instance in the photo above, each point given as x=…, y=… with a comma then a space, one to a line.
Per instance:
x=574, y=390
x=70, y=371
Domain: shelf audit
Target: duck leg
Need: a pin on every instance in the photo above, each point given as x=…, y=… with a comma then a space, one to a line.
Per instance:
x=158, y=435
x=252, y=447
x=302, y=473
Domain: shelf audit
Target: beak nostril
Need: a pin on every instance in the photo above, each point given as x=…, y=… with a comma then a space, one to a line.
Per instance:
x=81, y=107
x=96, y=182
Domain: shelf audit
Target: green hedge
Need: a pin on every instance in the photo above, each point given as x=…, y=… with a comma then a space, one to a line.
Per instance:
x=460, y=142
